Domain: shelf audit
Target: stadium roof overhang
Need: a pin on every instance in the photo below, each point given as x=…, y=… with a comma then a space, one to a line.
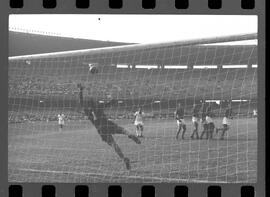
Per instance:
x=165, y=48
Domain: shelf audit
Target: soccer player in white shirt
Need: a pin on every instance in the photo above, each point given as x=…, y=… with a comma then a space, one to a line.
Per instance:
x=225, y=121
x=255, y=113
x=139, y=122
x=61, y=120
x=209, y=125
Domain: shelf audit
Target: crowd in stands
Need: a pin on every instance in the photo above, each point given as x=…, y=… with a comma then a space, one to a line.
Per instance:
x=128, y=84
x=241, y=110
x=131, y=85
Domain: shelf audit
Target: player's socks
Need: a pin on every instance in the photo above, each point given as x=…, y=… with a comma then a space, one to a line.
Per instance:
x=183, y=137
x=177, y=135
x=137, y=133
x=127, y=162
x=197, y=135
x=201, y=137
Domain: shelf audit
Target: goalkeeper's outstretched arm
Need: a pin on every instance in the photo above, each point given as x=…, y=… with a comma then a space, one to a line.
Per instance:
x=81, y=102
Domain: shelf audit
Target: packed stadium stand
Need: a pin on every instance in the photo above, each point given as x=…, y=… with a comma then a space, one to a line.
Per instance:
x=140, y=83
x=133, y=87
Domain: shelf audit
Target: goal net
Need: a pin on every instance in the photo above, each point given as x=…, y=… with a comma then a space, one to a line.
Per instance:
x=157, y=77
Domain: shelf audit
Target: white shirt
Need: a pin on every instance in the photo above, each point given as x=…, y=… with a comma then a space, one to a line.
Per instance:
x=254, y=112
x=61, y=118
x=208, y=119
x=138, y=116
x=226, y=121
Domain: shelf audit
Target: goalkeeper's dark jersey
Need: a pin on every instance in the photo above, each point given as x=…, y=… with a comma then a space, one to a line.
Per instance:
x=94, y=111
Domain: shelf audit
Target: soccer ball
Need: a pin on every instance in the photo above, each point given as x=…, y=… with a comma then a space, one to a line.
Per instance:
x=93, y=69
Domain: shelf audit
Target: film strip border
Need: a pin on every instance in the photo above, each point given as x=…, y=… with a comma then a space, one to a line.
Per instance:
x=123, y=190
x=119, y=191
x=146, y=4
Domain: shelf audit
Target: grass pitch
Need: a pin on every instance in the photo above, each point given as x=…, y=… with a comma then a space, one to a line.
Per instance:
x=39, y=152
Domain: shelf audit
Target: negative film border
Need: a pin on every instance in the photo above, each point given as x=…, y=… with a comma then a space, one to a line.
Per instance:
x=229, y=7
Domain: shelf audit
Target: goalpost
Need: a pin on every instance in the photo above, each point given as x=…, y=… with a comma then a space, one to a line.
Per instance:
x=155, y=77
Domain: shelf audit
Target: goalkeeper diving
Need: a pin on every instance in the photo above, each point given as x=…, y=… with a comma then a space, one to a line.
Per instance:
x=105, y=127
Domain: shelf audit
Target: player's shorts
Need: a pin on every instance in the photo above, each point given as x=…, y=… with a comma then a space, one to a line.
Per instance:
x=211, y=126
x=225, y=126
x=138, y=123
x=208, y=119
x=195, y=119
x=181, y=122
x=108, y=138
x=203, y=121
x=205, y=126
x=226, y=121
x=61, y=122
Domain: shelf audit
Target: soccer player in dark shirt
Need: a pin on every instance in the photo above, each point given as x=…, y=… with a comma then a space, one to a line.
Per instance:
x=210, y=122
x=225, y=121
x=179, y=116
x=105, y=127
x=204, y=122
x=195, y=121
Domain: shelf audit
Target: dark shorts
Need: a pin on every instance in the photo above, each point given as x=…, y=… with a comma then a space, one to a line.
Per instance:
x=211, y=126
x=205, y=126
x=139, y=126
x=225, y=126
x=108, y=138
